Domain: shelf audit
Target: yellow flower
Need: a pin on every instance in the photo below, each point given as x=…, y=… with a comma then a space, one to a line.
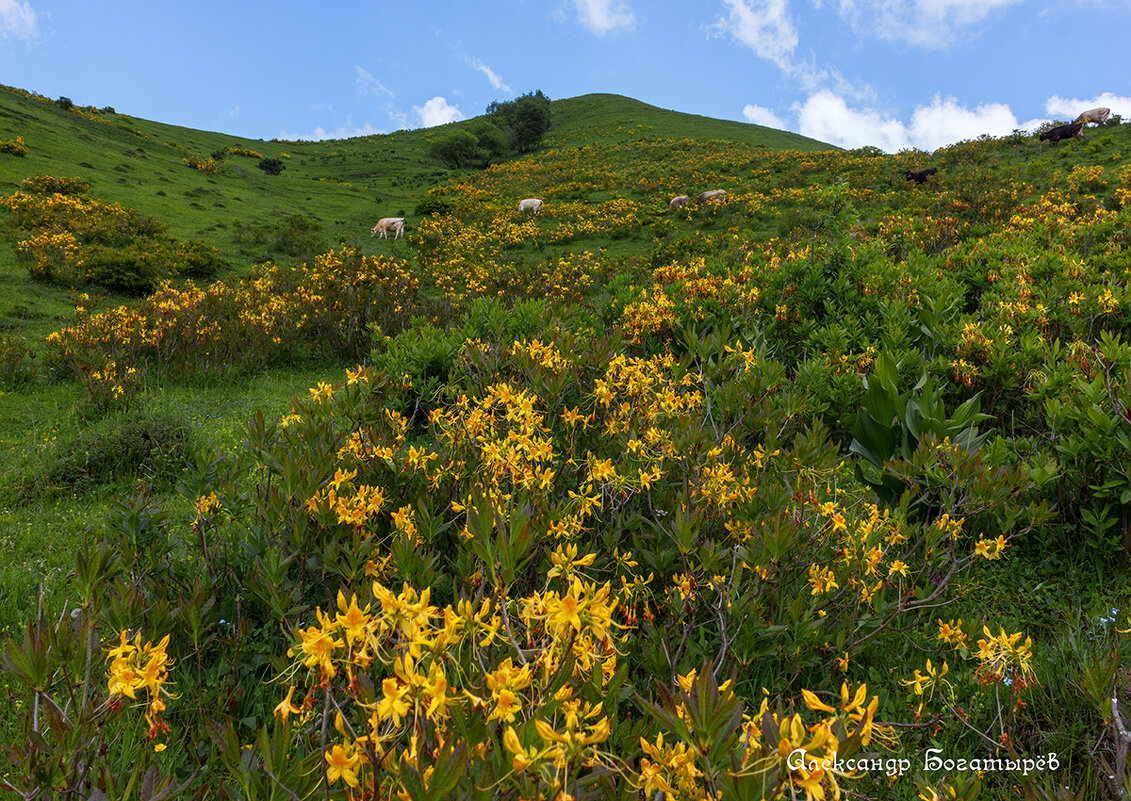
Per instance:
x=565, y=611
x=286, y=707
x=352, y=618
x=393, y=705
x=342, y=764
x=506, y=706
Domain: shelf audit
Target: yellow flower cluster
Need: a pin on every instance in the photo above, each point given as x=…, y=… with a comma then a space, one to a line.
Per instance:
x=207, y=164
x=232, y=326
x=15, y=147
x=1004, y=656
x=136, y=667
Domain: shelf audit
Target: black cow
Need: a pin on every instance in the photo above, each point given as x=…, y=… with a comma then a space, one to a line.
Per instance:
x=921, y=176
x=1068, y=131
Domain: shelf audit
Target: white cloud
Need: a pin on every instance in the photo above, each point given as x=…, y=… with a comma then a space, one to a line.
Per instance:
x=1064, y=108
x=437, y=111
x=368, y=85
x=346, y=130
x=760, y=115
x=924, y=23
x=492, y=76
x=764, y=26
x=605, y=16
x=18, y=20
x=827, y=117
x=945, y=122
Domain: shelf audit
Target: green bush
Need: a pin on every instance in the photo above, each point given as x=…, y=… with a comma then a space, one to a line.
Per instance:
x=459, y=149
x=17, y=362
x=271, y=166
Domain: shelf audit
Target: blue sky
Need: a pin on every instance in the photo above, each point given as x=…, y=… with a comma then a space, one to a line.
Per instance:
x=891, y=73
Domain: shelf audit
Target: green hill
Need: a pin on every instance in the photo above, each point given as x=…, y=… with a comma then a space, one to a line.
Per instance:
x=607, y=119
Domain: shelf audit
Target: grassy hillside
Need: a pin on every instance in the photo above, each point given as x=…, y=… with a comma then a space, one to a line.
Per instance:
x=613, y=119
x=329, y=192
x=607, y=501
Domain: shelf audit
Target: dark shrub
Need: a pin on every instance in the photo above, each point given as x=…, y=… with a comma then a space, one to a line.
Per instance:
x=432, y=204
x=271, y=166
x=459, y=150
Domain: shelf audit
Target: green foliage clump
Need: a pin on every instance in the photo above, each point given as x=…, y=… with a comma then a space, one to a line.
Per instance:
x=525, y=120
x=17, y=362
x=77, y=241
x=271, y=166
x=432, y=203
x=140, y=445
x=297, y=235
x=14, y=147
x=54, y=184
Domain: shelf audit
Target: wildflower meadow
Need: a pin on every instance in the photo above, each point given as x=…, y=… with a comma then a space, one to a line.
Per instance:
x=819, y=490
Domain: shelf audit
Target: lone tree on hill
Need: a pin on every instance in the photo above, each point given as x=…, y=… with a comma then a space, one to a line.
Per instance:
x=524, y=119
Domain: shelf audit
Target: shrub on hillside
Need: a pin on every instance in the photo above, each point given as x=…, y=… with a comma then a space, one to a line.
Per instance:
x=74, y=240
x=524, y=119
x=202, y=164
x=271, y=166
x=126, y=446
x=16, y=147
x=432, y=203
x=295, y=235
x=140, y=266
x=17, y=362
x=459, y=149
x=53, y=184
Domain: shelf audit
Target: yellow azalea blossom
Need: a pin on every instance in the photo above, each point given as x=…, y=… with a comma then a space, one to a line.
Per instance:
x=393, y=704
x=341, y=764
x=286, y=708
x=352, y=619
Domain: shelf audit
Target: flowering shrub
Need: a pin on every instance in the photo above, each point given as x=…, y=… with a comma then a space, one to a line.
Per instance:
x=15, y=147
x=204, y=164
x=75, y=240
x=324, y=307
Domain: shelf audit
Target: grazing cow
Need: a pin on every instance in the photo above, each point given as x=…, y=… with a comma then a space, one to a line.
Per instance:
x=1067, y=131
x=678, y=202
x=714, y=194
x=1096, y=115
x=531, y=204
x=387, y=224
x=921, y=176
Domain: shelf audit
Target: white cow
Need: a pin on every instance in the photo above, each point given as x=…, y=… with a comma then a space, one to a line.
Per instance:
x=1096, y=115
x=714, y=194
x=678, y=202
x=387, y=224
x=531, y=204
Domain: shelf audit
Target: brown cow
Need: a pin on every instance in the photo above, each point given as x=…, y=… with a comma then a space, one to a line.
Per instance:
x=920, y=176
x=1068, y=131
